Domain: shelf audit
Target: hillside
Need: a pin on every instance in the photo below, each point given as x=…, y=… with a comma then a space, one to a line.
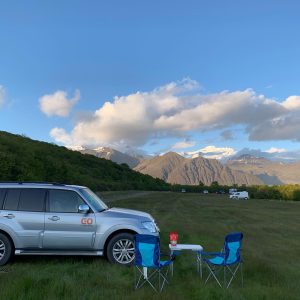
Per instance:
x=23, y=159
x=173, y=168
x=113, y=155
x=271, y=172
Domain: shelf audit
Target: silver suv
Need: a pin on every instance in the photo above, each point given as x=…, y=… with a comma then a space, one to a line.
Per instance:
x=58, y=219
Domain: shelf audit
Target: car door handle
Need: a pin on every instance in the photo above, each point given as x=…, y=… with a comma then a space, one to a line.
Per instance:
x=9, y=216
x=54, y=218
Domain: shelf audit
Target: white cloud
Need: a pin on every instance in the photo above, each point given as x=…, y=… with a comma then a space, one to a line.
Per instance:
x=2, y=95
x=61, y=136
x=129, y=119
x=183, y=144
x=217, y=152
x=292, y=102
x=222, y=110
x=275, y=154
x=276, y=150
x=211, y=152
x=283, y=127
x=57, y=104
x=178, y=109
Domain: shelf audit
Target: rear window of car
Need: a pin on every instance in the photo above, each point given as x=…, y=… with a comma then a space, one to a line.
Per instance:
x=32, y=200
x=24, y=199
x=2, y=195
x=12, y=199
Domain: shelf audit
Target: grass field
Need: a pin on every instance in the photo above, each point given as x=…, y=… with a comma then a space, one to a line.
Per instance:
x=271, y=253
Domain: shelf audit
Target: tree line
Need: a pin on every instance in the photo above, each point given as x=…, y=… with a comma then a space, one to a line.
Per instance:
x=276, y=192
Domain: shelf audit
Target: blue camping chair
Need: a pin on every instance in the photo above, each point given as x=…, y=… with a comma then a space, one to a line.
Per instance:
x=148, y=266
x=229, y=259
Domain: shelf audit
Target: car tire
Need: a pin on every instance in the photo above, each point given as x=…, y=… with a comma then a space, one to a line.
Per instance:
x=6, y=249
x=120, y=249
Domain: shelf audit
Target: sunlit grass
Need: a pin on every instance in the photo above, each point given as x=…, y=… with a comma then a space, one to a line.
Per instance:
x=270, y=250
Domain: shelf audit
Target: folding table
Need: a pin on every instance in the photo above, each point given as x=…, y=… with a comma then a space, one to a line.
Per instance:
x=194, y=248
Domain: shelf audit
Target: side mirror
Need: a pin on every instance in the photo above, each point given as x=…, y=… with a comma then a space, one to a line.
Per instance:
x=83, y=209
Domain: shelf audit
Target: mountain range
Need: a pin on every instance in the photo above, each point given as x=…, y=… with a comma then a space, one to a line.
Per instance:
x=270, y=172
x=113, y=155
x=175, y=168
x=26, y=159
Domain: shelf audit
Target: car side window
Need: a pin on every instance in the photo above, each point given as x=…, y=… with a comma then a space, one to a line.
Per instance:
x=12, y=199
x=32, y=200
x=64, y=201
x=2, y=195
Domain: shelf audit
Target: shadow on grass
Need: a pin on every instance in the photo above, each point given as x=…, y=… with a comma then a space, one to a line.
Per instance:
x=60, y=259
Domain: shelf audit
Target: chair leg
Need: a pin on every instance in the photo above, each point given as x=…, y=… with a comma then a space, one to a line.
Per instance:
x=142, y=280
x=135, y=277
x=224, y=276
x=151, y=285
x=233, y=274
x=209, y=274
x=160, y=281
x=164, y=277
x=159, y=286
x=171, y=269
x=137, y=281
x=242, y=275
x=200, y=265
x=212, y=273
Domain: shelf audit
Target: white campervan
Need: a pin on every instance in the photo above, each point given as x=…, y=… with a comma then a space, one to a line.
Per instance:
x=232, y=191
x=240, y=195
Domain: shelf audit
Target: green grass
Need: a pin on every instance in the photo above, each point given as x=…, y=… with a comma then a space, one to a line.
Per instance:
x=270, y=250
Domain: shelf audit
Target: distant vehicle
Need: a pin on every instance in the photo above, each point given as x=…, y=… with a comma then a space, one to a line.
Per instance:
x=240, y=195
x=222, y=192
x=205, y=192
x=58, y=219
x=183, y=191
x=232, y=191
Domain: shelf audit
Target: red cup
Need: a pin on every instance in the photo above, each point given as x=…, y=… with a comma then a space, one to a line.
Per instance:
x=173, y=238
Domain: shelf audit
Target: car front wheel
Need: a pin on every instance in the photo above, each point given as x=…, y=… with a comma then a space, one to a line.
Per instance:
x=120, y=249
x=6, y=249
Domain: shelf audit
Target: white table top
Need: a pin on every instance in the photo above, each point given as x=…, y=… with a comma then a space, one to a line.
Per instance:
x=179, y=247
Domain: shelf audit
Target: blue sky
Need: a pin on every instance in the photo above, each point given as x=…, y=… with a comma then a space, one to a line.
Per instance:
x=103, y=49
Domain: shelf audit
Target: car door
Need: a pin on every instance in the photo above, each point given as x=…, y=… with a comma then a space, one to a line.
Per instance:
x=23, y=212
x=65, y=227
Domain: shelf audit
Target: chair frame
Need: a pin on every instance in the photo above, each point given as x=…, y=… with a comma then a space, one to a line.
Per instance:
x=232, y=269
x=143, y=275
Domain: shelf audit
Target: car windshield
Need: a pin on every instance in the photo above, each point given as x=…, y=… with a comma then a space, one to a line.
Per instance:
x=94, y=200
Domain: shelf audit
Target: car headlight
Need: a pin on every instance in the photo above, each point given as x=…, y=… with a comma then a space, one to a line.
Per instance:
x=149, y=225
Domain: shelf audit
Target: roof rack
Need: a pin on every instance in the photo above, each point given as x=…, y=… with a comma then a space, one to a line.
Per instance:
x=32, y=182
